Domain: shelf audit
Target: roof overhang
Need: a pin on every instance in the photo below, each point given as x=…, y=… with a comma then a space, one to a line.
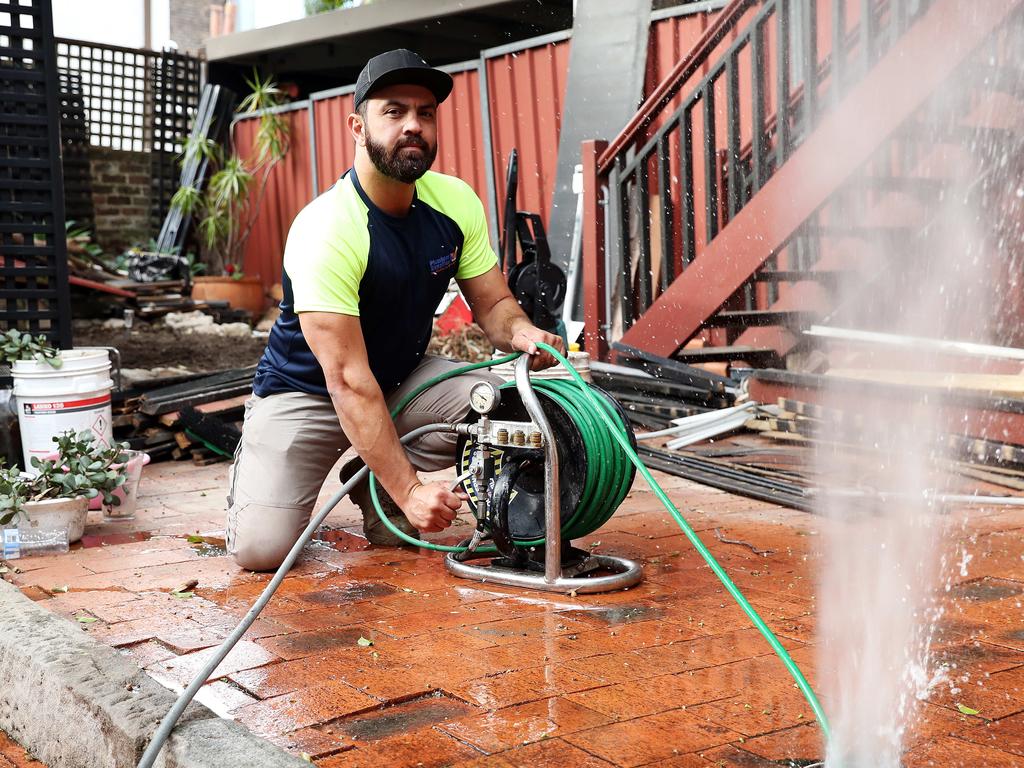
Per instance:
x=431, y=28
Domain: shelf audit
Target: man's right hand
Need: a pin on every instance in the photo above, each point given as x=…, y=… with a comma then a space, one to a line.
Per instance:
x=431, y=507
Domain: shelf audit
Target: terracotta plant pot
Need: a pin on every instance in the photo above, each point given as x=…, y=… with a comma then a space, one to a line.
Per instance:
x=54, y=514
x=242, y=293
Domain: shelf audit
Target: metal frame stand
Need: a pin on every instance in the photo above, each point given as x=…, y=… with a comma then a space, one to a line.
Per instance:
x=627, y=572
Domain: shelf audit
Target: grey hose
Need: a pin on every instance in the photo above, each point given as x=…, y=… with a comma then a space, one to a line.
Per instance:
x=164, y=731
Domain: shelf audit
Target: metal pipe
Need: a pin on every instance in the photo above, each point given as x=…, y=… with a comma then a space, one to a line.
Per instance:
x=627, y=574
x=314, y=171
x=927, y=495
x=709, y=430
x=488, y=150
x=916, y=342
x=750, y=485
x=701, y=422
x=552, y=493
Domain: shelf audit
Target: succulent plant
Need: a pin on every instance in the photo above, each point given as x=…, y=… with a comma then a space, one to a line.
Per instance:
x=15, y=345
x=13, y=493
x=83, y=467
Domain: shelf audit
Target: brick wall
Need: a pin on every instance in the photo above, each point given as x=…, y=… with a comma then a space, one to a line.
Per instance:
x=120, y=197
x=190, y=23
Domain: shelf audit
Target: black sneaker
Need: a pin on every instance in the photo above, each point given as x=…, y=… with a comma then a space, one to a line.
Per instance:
x=373, y=527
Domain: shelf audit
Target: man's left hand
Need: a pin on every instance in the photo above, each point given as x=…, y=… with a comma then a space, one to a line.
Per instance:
x=526, y=340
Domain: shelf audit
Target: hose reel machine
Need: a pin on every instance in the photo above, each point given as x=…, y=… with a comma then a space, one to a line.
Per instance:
x=541, y=469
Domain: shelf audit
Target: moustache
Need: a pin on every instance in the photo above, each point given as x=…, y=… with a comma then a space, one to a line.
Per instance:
x=418, y=143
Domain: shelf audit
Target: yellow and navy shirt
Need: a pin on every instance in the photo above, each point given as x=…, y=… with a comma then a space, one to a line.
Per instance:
x=347, y=256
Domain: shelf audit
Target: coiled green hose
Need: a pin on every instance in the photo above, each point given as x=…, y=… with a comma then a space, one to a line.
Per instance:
x=601, y=431
x=607, y=479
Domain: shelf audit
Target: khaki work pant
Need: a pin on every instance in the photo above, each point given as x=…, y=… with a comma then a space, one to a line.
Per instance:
x=290, y=442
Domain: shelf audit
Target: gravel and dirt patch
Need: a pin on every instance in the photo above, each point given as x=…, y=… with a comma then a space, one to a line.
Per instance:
x=158, y=346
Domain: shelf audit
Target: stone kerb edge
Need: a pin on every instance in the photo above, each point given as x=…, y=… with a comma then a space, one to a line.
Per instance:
x=74, y=702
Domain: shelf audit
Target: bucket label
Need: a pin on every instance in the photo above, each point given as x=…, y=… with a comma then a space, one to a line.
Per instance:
x=64, y=406
x=40, y=420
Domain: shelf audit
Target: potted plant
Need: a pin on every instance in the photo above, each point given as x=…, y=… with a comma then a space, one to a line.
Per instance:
x=226, y=210
x=15, y=345
x=58, y=496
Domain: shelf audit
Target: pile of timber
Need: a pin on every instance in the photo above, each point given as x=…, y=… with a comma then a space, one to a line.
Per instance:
x=655, y=390
x=148, y=299
x=992, y=461
x=196, y=417
x=743, y=469
x=978, y=424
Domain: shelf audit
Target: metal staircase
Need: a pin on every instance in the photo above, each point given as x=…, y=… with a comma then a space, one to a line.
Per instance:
x=718, y=225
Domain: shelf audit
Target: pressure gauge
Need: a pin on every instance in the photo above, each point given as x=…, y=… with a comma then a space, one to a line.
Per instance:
x=484, y=397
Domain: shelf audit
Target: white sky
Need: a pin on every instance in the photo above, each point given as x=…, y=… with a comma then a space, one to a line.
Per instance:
x=115, y=22
x=120, y=22
x=254, y=14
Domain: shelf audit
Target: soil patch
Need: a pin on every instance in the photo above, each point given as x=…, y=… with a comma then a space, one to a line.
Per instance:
x=157, y=346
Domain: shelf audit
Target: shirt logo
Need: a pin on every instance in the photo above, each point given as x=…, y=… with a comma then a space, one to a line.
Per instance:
x=440, y=263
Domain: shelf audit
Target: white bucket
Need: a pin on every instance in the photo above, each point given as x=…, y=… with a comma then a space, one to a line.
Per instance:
x=53, y=400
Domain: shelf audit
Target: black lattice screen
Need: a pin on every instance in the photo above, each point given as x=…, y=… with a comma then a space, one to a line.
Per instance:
x=33, y=259
x=175, y=98
x=74, y=136
x=113, y=85
x=133, y=100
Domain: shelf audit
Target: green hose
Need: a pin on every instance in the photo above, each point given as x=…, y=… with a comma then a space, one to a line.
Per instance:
x=607, y=479
x=593, y=508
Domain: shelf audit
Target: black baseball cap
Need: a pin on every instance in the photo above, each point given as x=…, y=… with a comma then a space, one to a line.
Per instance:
x=401, y=66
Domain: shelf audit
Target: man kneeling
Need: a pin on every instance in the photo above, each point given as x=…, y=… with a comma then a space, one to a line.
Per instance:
x=365, y=266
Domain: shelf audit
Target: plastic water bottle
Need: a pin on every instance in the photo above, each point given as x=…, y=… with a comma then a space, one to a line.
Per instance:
x=26, y=542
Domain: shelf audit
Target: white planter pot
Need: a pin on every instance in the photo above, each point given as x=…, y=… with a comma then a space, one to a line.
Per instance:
x=55, y=514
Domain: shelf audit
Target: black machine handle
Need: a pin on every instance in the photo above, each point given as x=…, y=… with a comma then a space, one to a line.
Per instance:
x=507, y=246
x=538, y=284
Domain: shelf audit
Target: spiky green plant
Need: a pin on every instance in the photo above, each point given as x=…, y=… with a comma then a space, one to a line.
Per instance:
x=226, y=210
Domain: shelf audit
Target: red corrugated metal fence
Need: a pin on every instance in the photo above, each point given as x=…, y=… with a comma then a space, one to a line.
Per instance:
x=526, y=89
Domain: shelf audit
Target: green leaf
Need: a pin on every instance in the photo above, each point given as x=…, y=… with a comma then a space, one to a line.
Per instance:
x=182, y=595
x=364, y=642
x=187, y=200
x=87, y=620
x=965, y=710
x=196, y=540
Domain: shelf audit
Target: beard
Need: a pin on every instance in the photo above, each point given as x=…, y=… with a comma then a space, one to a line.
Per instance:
x=401, y=166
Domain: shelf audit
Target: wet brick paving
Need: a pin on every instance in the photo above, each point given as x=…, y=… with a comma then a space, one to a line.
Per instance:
x=13, y=756
x=459, y=673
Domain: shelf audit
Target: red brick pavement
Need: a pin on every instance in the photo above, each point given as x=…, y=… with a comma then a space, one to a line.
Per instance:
x=460, y=673
x=13, y=756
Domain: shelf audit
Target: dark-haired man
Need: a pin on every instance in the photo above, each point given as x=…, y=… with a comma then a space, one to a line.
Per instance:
x=365, y=266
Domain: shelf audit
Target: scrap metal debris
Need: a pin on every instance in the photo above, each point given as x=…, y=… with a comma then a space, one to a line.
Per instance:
x=754, y=549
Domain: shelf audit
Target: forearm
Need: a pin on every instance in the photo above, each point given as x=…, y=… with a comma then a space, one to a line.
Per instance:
x=363, y=414
x=502, y=322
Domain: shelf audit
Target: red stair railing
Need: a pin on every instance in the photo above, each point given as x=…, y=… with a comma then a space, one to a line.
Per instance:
x=764, y=78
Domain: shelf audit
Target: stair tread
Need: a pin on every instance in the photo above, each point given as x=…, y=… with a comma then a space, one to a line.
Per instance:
x=760, y=317
x=859, y=231
x=724, y=354
x=797, y=276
